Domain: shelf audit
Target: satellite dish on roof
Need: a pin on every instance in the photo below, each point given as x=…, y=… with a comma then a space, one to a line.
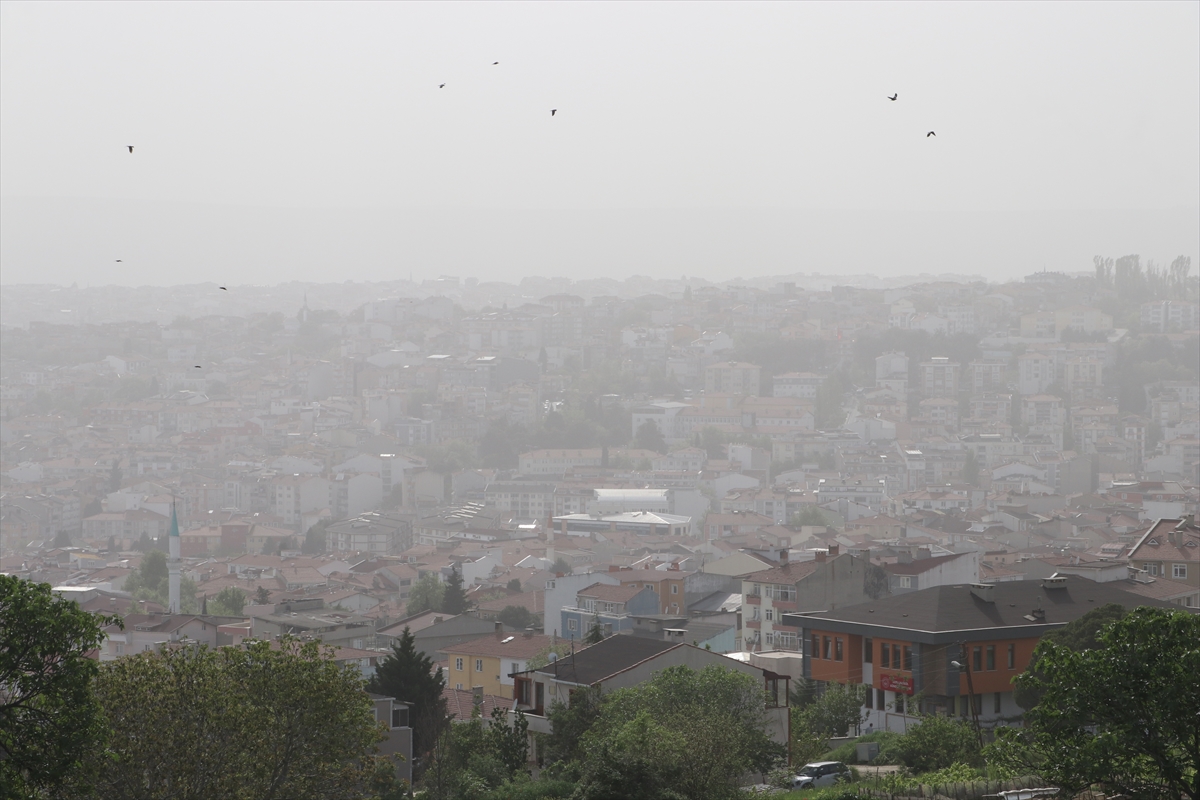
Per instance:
x=552, y=657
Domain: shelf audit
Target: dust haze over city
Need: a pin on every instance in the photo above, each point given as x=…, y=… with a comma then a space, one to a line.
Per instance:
x=849, y=351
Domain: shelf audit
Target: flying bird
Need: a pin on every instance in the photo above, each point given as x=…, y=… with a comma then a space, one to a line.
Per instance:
x=894, y=96
x=552, y=111
x=222, y=288
x=130, y=147
x=931, y=133
x=199, y=367
x=441, y=86
x=118, y=261
x=494, y=63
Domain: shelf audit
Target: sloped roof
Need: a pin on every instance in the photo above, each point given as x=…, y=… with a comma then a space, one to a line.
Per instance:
x=945, y=613
x=603, y=659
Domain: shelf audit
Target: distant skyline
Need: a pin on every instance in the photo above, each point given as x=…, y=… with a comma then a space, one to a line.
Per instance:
x=278, y=142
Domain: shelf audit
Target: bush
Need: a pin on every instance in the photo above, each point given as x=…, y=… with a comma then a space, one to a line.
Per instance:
x=937, y=743
x=848, y=752
x=535, y=790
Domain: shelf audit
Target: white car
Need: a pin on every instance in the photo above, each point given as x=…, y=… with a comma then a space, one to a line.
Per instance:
x=820, y=773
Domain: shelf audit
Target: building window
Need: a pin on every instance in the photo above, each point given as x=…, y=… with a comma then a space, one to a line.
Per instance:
x=991, y=656
x=399, y=717
x=1152, y=569
x=1179, y=571
x=868, y=651
x=479, y=665
x=816, y=646
x=885, y=655
x=869, y=695
x=996, y=704
x=879, y=699
x=770, y=613
x=899, y=703
x=674, y=588
x=896, y=656
x=572, y=625
x=908, y=658
x=977, y=659
x=1012, y=656
x=828, y=647
x=837, y=649
x=905, y=581
x=458, y=664
x=458, y=686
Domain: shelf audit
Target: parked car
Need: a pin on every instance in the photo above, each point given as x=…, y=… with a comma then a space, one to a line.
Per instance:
x=820, y=773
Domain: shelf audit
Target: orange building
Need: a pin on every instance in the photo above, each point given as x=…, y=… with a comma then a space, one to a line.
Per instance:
x=939, y=647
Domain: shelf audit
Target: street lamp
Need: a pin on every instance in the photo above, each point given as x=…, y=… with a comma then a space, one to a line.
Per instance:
x=965, y=665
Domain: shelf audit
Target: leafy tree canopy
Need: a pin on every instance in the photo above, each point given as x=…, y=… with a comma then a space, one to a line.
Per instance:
x=1081, y=634
x=228, y=602
x=518, y=617
x=49, y=719
x=426, y=595
x=682, y=733
x=1122, y=716
x=270, y=721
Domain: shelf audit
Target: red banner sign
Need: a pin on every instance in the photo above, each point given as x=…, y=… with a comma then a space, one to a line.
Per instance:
x=896, y=683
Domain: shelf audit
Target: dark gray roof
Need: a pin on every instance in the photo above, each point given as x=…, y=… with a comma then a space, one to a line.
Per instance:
x=945, y=613
x=603, y=659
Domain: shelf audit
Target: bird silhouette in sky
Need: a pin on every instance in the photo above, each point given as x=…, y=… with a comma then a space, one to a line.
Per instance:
x=118, y=261
x=894, y=96
x=553, y=111
x=222, y=288
x=199, y=367
x=931, y=133
x=494, y=63
x=441, y=86
x=130, y=147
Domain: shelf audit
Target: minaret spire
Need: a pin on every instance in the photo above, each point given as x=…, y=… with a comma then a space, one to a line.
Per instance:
x=173, y=564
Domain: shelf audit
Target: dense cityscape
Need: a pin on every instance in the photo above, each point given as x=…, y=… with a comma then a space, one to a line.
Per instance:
x=695, y=475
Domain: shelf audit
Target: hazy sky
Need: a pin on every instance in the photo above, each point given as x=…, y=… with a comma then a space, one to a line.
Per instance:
x=279, y=141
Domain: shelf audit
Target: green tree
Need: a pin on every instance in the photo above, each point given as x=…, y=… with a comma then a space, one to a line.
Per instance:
x=150, y=581
x=568, y=724
x=937, y=743
x=262, y=596
x=1122, y=716
x=509, y=743
x=688, y=732
x=49, y=718
x=649, y=437
x=229, y=602
x=836, y=711
x=514, y=585
x=426, y=594
x=595, y=633
x=1079, y=635
x=314, y=540
x=561, y=566
x=517, y=617
x=270, y=721
x=454, y=599
x=970, y=470
x=62, y=539
x=409, y=676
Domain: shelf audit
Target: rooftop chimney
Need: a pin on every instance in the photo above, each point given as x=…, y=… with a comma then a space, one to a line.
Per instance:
x=833, y=549
x=820, y=556
x=783, y=557
x=499, y=629
x=984, y=591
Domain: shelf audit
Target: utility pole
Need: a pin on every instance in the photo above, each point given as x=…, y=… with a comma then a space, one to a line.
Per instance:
x=966, y=666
